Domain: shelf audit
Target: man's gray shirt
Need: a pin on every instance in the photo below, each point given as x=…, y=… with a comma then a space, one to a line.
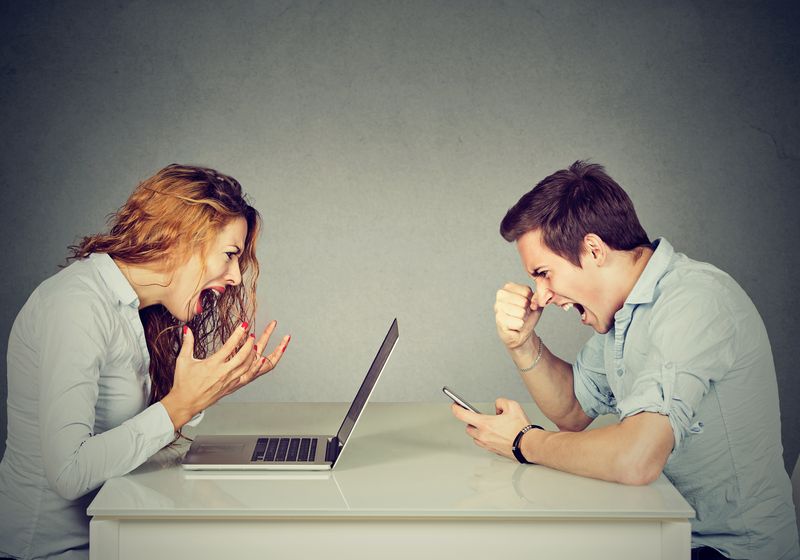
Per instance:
x=689, y=344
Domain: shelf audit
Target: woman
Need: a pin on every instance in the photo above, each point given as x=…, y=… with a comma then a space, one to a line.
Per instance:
x=112, y=356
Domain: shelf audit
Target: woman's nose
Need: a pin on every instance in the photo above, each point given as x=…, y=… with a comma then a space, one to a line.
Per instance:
x=234, y=275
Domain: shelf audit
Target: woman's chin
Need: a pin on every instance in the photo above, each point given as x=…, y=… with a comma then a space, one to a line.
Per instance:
x=182, y=315
x=187, y=314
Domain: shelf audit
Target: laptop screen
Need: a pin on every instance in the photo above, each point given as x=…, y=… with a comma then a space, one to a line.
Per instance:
x=368, y=384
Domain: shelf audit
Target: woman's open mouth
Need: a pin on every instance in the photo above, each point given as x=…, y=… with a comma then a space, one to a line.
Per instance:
x=208, y=298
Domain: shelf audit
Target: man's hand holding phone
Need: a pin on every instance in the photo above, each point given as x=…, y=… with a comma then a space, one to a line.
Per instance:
x=494, y=433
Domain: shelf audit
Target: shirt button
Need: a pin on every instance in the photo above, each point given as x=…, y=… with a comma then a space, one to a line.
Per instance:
x=620, y=371
x=668, y=365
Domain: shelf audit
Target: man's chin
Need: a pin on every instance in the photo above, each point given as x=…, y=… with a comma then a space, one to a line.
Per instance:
x=601, y=328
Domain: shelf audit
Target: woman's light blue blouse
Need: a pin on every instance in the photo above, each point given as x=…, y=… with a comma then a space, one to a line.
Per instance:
x=689, y=344
x=78, y=414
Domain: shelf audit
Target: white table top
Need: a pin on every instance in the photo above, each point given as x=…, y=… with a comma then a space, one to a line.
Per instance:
x=404, y=460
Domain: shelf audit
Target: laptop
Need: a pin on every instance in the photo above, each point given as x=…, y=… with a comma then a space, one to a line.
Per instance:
x=288, y=452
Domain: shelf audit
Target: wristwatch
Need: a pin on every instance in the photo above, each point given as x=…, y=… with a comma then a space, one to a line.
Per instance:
x=515, y=447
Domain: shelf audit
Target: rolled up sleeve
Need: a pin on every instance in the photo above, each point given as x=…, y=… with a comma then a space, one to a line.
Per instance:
x=692, y=339
x=589, y=379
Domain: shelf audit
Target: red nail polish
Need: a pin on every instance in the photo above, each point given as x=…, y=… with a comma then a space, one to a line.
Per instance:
x=264, y=359
x=244, y=324
x=252, y=335
x=255, y=348
x=185, y=328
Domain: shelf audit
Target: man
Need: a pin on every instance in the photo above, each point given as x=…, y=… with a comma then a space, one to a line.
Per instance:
x=680, y=354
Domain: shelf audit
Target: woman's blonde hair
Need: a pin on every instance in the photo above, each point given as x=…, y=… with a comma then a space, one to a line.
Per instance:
x=175, y=212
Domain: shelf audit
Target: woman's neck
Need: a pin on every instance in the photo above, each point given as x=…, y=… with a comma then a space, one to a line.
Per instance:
x=148, y=283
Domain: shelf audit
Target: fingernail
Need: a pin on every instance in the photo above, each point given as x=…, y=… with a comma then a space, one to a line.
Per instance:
x=185, y=328
x=244, y=324
x=255, y=348
x=264, y=359
x=252, y=335
x=287, y=344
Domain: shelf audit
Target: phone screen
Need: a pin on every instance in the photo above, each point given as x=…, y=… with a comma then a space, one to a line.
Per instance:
x=459, y=401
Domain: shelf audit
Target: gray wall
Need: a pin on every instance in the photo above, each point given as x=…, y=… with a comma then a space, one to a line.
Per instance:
x=383, y=142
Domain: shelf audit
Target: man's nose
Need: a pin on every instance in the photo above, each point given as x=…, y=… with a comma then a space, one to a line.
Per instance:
x=543, y=294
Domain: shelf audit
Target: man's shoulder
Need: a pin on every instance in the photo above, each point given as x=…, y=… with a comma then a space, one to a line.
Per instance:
x=691, y=279
x=693, y=295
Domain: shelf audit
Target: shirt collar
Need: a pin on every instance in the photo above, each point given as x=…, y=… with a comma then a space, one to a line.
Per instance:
x=114, y=279
x=644, y=289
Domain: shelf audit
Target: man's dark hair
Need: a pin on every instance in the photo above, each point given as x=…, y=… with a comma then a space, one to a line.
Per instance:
x=571, y=203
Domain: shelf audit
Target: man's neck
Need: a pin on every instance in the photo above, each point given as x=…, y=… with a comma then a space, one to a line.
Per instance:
x=638, y=259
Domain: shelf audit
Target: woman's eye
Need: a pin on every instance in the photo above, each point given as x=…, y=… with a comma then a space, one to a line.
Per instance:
x=229, y=255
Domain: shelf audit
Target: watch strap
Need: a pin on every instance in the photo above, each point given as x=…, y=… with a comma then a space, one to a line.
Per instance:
x=515, y=447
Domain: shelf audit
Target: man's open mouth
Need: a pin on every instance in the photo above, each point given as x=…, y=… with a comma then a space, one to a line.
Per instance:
x=578, y=307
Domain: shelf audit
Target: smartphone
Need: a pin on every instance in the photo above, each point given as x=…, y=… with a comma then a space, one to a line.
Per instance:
x=459, y=401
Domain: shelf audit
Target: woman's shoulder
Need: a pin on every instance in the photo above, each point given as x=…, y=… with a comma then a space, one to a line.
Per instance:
x=78, y=278
x=79, y=286
x=72, y=300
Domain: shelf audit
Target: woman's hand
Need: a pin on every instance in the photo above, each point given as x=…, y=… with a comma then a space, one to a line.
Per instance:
x=200, y=383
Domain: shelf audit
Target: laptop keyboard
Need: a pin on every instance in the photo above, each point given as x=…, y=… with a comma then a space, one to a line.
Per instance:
x=283, y=450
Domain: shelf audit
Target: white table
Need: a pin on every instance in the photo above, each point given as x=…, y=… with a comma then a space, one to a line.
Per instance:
x=410, y=484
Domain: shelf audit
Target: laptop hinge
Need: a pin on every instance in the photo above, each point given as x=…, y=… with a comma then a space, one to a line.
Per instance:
x=332, y=451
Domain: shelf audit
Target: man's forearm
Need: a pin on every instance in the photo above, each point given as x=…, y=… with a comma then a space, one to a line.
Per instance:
x=632, y=452
x=551, y=386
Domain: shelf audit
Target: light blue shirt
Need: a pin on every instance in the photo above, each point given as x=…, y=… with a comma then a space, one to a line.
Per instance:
x=78, y=414
x=688, y=343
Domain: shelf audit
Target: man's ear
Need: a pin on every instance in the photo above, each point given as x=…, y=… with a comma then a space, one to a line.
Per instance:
x=595, y=247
